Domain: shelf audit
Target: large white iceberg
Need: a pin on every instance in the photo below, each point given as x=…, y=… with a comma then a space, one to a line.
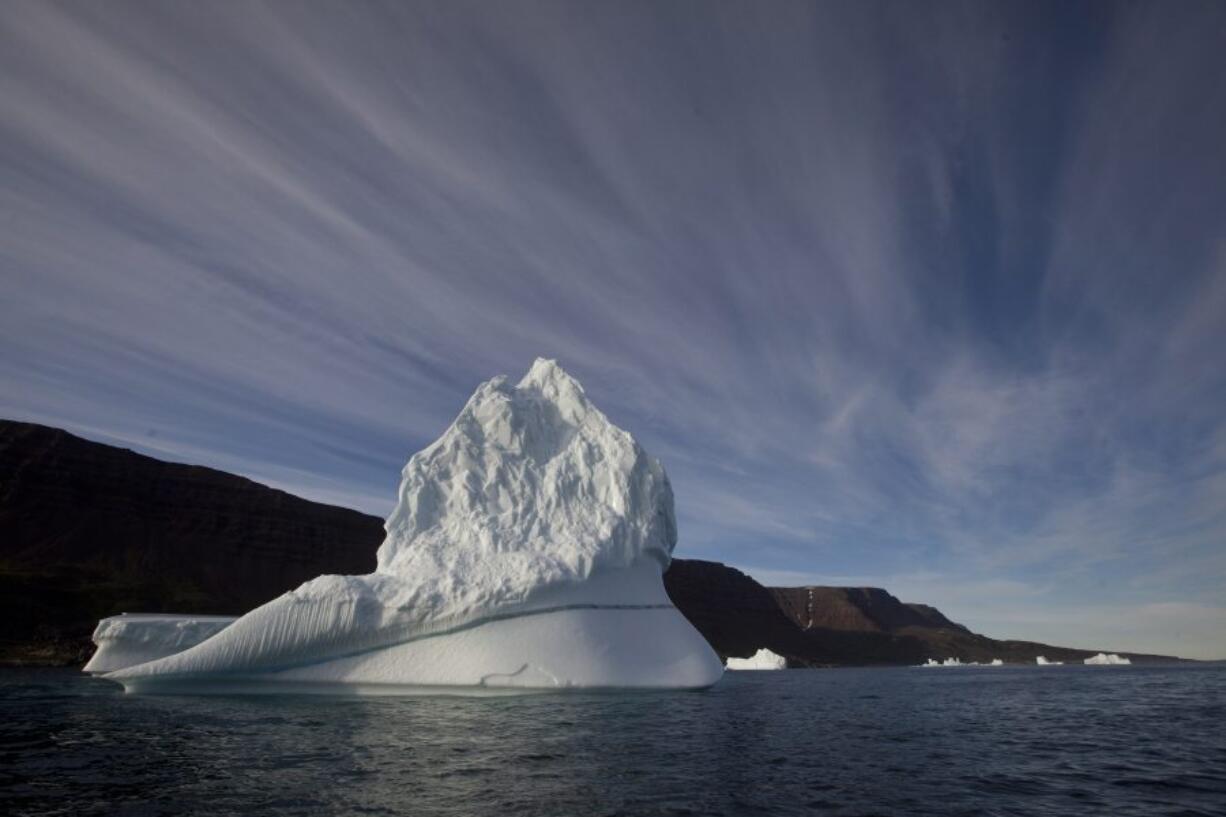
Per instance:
x=526, y=551
x=762, y=659
x=1107, y=659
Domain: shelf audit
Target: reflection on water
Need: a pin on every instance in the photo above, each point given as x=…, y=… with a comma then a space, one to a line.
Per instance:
x=1014, y=740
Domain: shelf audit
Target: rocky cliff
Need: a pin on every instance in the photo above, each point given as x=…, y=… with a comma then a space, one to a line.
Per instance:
x=89, y=530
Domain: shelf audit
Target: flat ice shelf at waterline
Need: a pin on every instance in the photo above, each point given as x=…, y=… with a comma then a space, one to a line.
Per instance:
x=526, y=550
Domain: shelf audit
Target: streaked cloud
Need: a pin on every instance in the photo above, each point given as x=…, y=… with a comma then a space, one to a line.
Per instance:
x=893, y=291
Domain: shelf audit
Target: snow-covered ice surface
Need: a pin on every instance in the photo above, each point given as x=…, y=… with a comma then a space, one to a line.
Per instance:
x=134, y=638
x=526, y=550
x=762, y=659
x=1107, y=659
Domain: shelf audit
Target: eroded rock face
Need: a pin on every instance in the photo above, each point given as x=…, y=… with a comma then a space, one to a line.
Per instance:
x=857, y=609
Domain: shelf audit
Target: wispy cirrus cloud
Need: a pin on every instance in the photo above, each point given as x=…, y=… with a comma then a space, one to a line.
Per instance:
x=892, y=292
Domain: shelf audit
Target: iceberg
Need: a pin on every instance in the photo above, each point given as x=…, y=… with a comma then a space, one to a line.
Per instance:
x=948, y=662
x=1043, y=662
x=526, y=551
x=1105, y=659
x=762, y=659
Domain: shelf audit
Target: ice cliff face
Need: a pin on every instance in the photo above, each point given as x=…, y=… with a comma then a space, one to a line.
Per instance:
x=531, y=504
x=530, y=486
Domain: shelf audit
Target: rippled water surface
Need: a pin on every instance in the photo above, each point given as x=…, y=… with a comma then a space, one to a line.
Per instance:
x=1060, y=740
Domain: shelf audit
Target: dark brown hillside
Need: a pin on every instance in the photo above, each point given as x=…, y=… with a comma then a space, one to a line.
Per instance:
x=732, y=611
x=856, y=609
x=88, y=530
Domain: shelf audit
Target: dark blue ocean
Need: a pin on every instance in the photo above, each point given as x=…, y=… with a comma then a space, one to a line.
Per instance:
x=1025, y=740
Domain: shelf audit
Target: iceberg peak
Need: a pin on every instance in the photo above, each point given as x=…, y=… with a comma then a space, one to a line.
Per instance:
x=530, y=477
x=546, y=372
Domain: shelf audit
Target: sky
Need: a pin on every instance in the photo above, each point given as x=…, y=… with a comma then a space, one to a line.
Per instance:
x=923, y=296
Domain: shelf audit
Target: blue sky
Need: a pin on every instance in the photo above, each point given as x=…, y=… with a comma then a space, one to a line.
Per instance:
x=928, y=296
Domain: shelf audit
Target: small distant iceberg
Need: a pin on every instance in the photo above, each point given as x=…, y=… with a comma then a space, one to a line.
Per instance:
x=954, y=661
x=1043, y=662
x=762, y=659
x=948, y=662
x=1107, y=659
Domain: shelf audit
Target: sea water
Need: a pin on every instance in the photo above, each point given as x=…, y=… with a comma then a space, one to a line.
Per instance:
x=1009, y=740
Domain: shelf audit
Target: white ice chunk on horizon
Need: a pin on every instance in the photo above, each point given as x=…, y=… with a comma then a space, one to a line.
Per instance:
x=762, y=659
x=948, y=662
x=954, y=661
x=1043, y=662
x=1107, y=659
x=526, y=550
